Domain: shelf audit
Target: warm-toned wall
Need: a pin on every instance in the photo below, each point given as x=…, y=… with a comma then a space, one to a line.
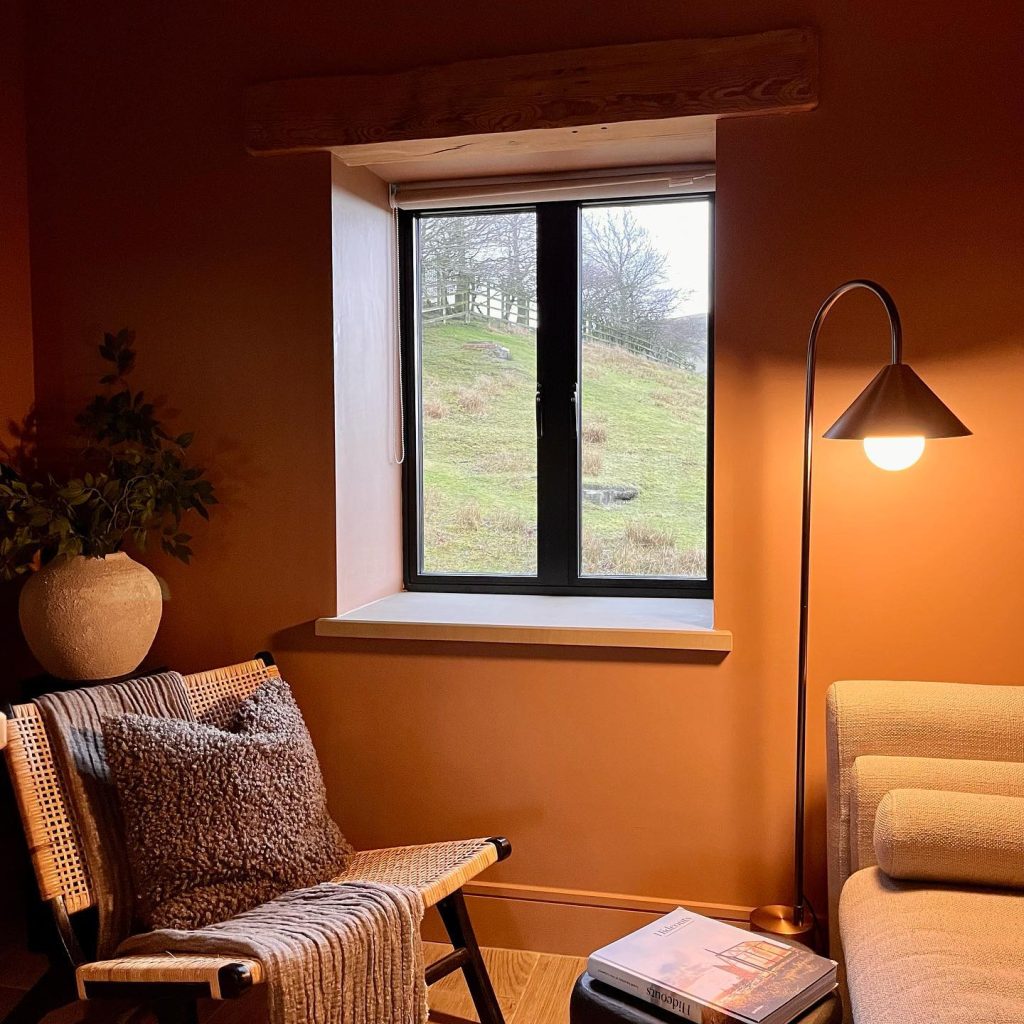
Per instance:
x=652, y=775
x=17, y=379
x=16, y=375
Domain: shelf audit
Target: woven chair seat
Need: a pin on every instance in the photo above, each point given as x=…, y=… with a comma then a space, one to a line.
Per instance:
x=435, y=869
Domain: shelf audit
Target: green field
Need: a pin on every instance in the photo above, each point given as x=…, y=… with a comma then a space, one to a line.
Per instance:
x=644, y=426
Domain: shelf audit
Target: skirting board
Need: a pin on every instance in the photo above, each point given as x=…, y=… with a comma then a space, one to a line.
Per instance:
x=604, y=900
x=569, y=921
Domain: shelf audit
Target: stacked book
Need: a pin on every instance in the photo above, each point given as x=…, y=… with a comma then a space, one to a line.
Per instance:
x=710, y=972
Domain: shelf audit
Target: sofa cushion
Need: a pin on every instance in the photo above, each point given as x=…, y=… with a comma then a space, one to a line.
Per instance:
x=918, y=952
x=873, y=776
x=929, y=835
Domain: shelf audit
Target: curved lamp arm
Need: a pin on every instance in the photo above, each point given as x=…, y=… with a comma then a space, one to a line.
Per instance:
x=896, y=333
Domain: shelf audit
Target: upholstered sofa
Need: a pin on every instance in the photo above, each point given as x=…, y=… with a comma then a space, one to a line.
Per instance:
x=932, y=775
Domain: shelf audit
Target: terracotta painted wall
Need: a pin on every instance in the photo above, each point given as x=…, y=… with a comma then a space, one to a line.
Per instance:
x=653, y=775
x=16, y=374
x=17, y=379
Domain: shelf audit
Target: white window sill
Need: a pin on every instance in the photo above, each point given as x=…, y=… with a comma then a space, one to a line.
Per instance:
x=681, y=624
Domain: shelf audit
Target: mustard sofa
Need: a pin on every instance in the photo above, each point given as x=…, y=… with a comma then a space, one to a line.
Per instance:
x=926, y=850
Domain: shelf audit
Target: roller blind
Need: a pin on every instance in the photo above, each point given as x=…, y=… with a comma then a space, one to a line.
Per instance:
x=575, y=185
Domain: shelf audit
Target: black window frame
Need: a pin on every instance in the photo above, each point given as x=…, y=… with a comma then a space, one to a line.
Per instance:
x=559, y=348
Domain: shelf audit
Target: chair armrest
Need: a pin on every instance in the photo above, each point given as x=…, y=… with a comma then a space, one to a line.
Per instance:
x=207, y=977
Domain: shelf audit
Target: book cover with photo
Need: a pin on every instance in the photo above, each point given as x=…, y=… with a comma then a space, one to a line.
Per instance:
x=710, y=972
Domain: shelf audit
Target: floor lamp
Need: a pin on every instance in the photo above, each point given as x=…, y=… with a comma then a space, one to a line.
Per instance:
x=892, y=416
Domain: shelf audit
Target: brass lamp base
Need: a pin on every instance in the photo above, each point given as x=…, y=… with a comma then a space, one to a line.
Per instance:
x=778, y=919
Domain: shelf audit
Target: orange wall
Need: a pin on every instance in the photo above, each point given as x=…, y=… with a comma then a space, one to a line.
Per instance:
x=16, y=384
x=16, y=377
x=17, y=387
x=657, y=775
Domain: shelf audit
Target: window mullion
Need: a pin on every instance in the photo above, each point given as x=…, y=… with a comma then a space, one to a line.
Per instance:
x=558, y=289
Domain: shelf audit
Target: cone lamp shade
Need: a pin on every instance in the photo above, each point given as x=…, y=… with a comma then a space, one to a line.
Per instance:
x=897, y=403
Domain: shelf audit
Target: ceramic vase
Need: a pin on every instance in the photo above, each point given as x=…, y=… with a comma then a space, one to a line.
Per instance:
x=91, y=618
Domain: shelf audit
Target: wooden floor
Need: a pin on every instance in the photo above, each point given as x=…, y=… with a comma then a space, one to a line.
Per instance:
x=533, y=988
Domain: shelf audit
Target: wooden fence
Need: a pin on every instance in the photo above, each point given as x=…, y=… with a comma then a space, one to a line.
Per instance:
x=484, y=303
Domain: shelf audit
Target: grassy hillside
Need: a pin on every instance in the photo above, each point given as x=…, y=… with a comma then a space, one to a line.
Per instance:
x=644, y=426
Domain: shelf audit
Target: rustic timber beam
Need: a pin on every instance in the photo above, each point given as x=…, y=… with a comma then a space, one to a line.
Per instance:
x=771, y=72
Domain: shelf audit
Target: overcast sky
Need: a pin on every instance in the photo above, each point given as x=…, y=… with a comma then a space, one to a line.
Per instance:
x=680, y=230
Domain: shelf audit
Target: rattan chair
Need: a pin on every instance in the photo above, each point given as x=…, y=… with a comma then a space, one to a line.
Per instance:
x=172, y=984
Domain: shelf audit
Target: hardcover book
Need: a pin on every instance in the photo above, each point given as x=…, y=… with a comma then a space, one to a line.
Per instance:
x=712, y=973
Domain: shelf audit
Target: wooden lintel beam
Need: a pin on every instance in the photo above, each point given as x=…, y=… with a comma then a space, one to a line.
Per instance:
x=537, y=140
x=771, y=72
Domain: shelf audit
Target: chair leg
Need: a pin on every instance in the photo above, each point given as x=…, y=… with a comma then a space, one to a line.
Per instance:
x=54, y=989
x=460, y=930
x=176, y=1011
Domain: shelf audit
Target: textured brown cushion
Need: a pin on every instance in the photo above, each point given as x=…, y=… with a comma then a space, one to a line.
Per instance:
x=220, y=821
x=959, y=838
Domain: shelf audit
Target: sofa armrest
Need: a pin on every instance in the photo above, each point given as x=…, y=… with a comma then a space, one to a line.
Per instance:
x=908, y=719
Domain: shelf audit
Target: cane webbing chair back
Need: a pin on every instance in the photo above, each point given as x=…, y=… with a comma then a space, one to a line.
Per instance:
x=50, y=830
x=46, y=816
x=216, y=694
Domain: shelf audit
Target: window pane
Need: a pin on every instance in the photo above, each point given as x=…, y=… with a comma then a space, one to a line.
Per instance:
x=478, y=374
x=644, y=389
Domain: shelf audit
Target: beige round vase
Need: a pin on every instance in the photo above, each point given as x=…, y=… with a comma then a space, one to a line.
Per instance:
x=91, y=618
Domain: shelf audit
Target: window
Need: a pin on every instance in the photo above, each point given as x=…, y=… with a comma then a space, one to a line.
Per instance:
x=558, y=396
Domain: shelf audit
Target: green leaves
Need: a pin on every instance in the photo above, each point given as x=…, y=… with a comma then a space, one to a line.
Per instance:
x=177, y=546
x=135, y=481
x=117, y=349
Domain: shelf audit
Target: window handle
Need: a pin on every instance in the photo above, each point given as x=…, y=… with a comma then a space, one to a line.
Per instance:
x=575, y=399
x=539, y=406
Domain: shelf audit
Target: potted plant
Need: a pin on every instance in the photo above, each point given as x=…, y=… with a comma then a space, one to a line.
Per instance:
x=88, y=610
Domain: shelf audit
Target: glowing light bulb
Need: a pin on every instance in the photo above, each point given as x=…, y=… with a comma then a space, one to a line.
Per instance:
x=893, y=453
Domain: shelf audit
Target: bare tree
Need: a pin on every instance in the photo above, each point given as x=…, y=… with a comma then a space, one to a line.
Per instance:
x=624, y=273
x=512, y=266
x=470, y=261
x=452, y=253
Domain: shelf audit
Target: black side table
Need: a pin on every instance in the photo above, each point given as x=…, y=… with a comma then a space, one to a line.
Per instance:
x=593, y=1002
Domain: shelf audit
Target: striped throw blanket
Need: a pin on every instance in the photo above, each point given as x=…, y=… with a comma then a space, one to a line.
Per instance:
x=334, y=954
x=74, y=726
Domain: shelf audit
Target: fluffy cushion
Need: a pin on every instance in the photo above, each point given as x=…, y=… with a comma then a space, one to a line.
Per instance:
x=958, y=838
x=220, y=821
